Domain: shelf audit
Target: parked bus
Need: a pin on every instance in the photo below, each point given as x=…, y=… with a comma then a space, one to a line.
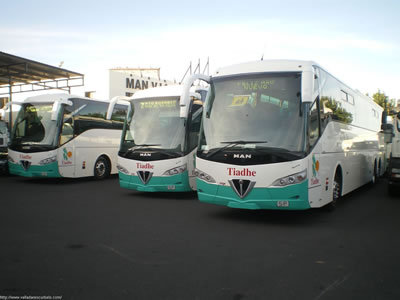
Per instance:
x=62, y=135
x=5, y=113
x=160, y=137
x=284, y=134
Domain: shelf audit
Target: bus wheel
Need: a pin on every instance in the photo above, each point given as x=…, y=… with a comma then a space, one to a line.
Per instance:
x=101, y=168
x=375, y=175
x=336, y=192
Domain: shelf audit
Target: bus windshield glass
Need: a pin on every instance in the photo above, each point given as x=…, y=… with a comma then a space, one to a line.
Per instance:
x=154, y=123
x=34, y=126
x=254, y=112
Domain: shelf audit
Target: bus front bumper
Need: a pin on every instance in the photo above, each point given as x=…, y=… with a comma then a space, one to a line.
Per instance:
x=294, y=197
x=174, y=183
x=49, y=170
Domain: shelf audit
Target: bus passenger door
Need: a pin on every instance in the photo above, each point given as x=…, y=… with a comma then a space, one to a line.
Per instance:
x=314, y=171
x=192, y=140
x=66, y=153
x=318, y=164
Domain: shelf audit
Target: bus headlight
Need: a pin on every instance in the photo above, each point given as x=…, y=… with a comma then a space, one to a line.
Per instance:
x=48, y=160
x=203, y=176
x=291, y=179
x=175, y=171
x=122, y=169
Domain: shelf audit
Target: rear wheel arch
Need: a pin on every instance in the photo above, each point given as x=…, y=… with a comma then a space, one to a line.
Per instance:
x=102, y=167
x=337, y=188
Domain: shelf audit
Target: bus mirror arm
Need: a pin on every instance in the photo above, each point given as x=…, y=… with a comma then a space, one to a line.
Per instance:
x=114, y=101
x=56, y=107
x=300, y=104
x=307, y=87
x=185, y=97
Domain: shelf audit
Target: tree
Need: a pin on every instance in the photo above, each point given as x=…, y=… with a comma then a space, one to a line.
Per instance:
x=380, y=98
x=337, y=111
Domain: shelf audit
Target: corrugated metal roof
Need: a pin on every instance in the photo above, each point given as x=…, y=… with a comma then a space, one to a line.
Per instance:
x=15, y=69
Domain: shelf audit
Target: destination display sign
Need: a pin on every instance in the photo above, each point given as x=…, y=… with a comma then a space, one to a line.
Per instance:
x=158, y=104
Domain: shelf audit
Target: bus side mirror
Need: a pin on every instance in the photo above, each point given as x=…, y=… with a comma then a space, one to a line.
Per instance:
x=387, y=138
x=387, y=128
x=384, y=117
x=185, y=97
x=387, y=133
x=307, y=87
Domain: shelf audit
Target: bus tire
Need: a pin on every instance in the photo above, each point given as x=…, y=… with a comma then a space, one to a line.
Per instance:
x=336, y=191
x=375, y=175
x=102, y=168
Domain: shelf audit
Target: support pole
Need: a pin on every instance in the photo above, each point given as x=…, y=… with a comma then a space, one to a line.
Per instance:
x=10, y=113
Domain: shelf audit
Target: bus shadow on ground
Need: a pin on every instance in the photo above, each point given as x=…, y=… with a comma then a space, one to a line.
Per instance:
x=298, y=217
x=278, y=217
x=165, y=195
x=62, y=181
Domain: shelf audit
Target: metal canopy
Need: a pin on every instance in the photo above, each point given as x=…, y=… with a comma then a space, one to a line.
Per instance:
x=19, y=75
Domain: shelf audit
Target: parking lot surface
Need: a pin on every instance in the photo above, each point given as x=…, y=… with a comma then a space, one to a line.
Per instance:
x=87, y=239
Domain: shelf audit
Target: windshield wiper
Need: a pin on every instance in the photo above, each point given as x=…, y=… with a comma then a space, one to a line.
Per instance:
x=34, y=147
x=170, y=154
x=145, y=145
x=158, y=150
x=138, y=146
x=281, y=152
x=233, y=144
x=241, y=142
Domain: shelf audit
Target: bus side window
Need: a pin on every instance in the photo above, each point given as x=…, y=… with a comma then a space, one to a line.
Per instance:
x=313, y=125
x=119, y=113
x=89, y=115
x=67, y=132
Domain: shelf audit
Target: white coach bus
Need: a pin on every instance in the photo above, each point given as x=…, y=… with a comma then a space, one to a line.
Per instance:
x=285, y=134
x=160, y=137
x=60, y=135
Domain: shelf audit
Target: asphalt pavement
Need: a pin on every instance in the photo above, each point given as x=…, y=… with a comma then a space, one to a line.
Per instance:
x=88, y=239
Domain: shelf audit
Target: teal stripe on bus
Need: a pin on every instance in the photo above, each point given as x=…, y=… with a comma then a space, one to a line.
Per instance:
x=45, y=171
x=180, y=182
x=259, y=198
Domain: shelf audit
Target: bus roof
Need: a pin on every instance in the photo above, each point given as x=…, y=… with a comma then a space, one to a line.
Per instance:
x=164, y=91
x=50, y=98
x=280, y=65
x=274, y=65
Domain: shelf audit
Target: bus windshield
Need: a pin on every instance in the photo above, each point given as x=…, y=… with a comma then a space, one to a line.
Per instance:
x=254, y=112
x=154, y=123
x=34, y=127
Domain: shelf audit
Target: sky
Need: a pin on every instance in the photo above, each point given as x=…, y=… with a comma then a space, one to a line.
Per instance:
x=356, y=41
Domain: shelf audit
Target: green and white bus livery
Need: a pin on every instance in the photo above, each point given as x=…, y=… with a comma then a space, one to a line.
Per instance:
x=283, y=134
x=160, y=137
x=60, y=135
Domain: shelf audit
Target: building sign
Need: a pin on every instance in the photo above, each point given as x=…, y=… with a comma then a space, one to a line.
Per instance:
x=125, y=82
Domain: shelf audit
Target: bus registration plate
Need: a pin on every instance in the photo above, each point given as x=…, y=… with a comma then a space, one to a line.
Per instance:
x=171, y=187
x=284, y=203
